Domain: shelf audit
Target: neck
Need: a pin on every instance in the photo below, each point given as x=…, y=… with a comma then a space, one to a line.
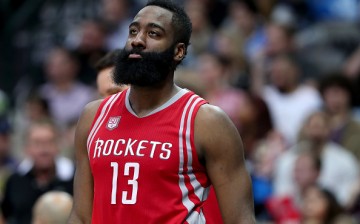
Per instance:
x=288, y=89
x=318, y=146
x=63, y=86
x=339, y=119
x=143, y=100
x=44, y=176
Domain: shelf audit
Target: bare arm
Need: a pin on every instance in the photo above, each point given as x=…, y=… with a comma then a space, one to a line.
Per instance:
x=351, y=66
x=221, y=147
x=83, y=182
x=257, y=75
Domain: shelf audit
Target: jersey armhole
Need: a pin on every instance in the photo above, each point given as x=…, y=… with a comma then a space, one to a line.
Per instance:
x=192, y=137
x=98, y=111
x=100, y=115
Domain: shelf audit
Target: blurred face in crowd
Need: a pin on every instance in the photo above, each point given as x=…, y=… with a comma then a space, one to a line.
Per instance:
x=114, y=10
x=197, y=14
x=42, y=146
x=315, y=204
x=283, y=74
x=149, y=54
x=242, y=17
x=317, y=128
x=60, y=66
x=305, y=171
x=336, y=99
x=277, y=40
x=210, y=70
x=93, y=36
x=105, y=83
x=36, y=109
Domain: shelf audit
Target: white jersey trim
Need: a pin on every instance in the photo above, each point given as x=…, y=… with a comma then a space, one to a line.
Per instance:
x=189, y=205
x=198, y=189
x=196, y=218
x=100, y=119
x=201, y=192
x=172, y=100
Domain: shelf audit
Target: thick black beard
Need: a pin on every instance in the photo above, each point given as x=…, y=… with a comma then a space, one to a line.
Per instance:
x=148, y=71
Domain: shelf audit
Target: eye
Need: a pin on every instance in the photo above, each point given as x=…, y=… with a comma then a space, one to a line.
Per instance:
x=132, y=31
x=153, y=33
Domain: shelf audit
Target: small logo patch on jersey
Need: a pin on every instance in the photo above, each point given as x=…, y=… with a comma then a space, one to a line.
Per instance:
x=113, y=122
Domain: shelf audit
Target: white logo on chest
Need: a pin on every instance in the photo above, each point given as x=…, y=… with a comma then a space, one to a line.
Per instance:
x=113, y=122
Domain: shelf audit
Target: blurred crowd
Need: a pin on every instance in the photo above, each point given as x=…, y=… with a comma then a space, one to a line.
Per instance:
x=287, y=72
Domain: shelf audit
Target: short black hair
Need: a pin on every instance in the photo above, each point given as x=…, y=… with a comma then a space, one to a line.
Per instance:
x=337, y=79
x=107, y=61
x=249, y=4
x=180, y=20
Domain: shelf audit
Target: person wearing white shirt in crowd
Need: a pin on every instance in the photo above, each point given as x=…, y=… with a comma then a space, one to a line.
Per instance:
x=339, y=172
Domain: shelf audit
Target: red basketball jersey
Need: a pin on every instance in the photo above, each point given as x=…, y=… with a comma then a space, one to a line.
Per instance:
x=146, y=169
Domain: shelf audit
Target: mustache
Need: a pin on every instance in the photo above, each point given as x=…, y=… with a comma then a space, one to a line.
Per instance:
x=138, y=51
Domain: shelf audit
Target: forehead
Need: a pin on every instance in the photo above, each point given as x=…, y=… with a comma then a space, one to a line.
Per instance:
x=154, y=14
x=41, y=131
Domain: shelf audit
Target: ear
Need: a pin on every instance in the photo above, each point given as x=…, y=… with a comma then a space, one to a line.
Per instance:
x=179, y=52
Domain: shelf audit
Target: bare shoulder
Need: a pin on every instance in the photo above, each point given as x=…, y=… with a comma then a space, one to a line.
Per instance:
x=86, y=117
x=211, y=118
x=91, y=108
x=214, y=130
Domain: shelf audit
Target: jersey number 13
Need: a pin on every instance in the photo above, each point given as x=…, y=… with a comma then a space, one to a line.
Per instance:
x=132, y=182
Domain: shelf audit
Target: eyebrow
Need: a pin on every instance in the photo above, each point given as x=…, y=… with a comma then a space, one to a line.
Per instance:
x=152, y=25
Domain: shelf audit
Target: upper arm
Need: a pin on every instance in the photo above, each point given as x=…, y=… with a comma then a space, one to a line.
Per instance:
x=83, y=182
x=220, y=145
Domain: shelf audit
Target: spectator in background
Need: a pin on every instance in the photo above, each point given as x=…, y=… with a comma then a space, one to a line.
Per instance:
x=66, y=96
x=289, y=100
x=42, y=170
x=89, y=47
x=214, y=72
x=340, y=169
x=53, y=207
x=354, y=205
x=7, y=162
x=351, y=69
x=227, y=45
x=338, y=97
x=321, y=207
x=116, y=14
x=202, y=30
x=280, y=39
x=306, y=172
x=244, y=21
x=256, y=124
x=189, y=79
x=104, y=80
x=105, y=87
x=263, y=159
x=34, y=109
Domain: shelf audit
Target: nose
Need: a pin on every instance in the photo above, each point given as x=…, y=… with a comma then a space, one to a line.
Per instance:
x=138, y=41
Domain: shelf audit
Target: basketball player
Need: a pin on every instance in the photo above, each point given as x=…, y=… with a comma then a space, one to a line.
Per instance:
x=104, y=80
x=152, y=151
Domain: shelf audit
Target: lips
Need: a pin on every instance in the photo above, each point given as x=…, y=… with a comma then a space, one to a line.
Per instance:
x=135, y=55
